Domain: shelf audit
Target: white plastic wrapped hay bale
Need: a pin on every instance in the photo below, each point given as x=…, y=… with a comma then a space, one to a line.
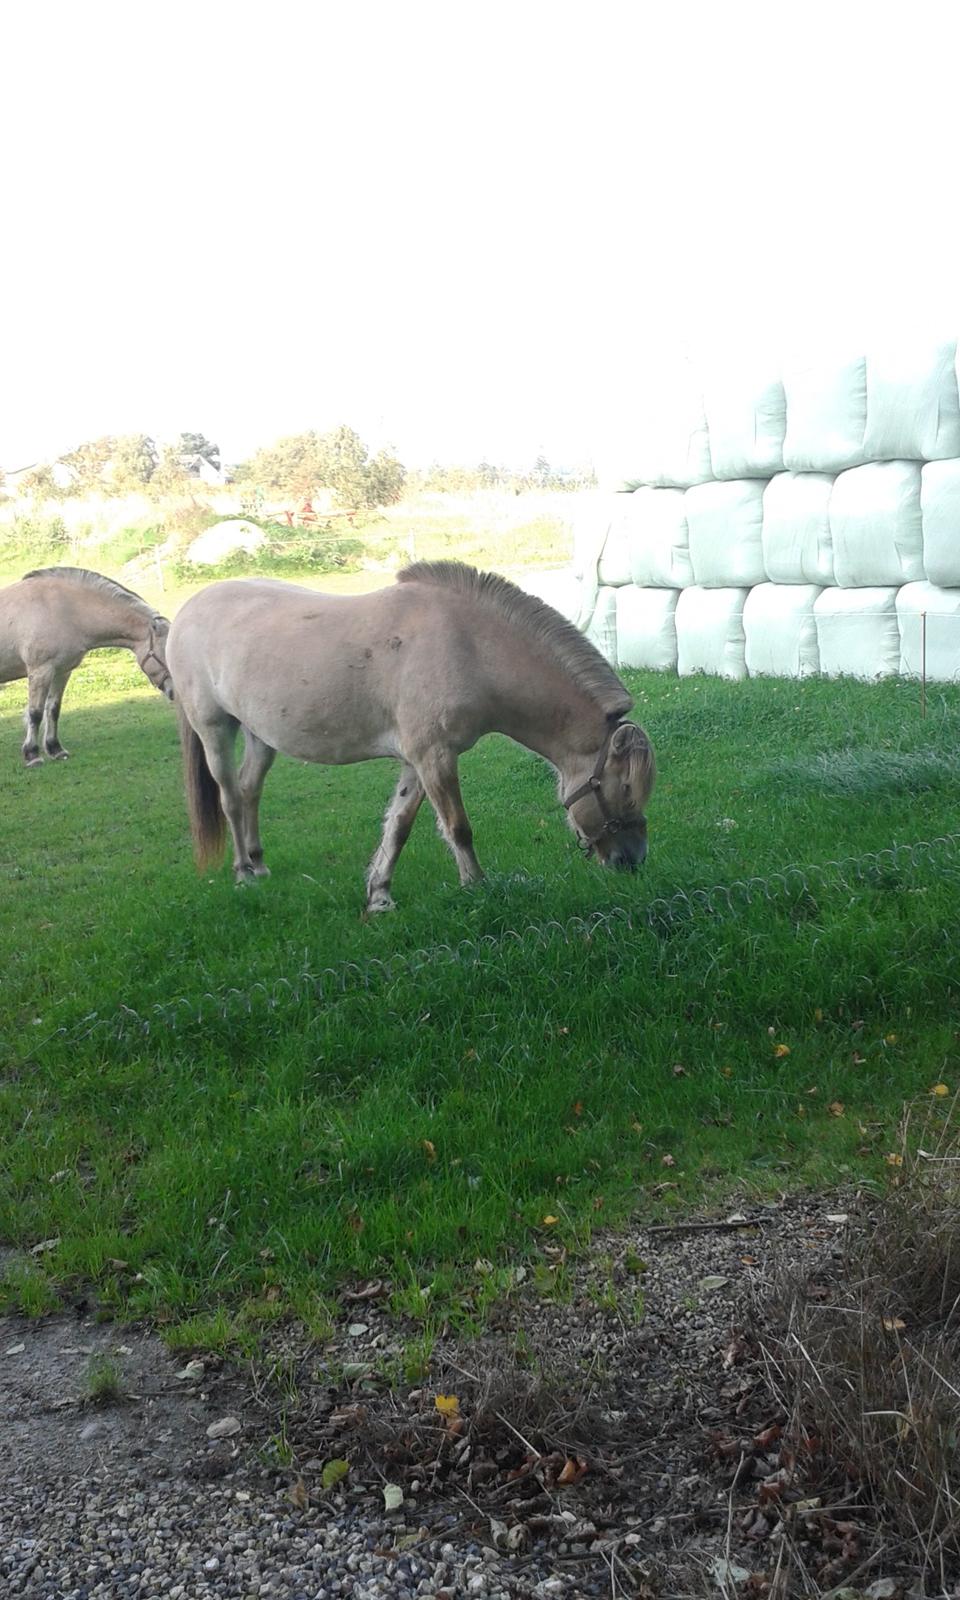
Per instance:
x=659, y=539
x=725, y=527
x=559, y=588
x=710, y=632
x=876, y=526
x=746, y=420
x=661, y=439
x=826, y=415
x=913, y=410
x=647, y=628
x=589, y=528
x=858, y=632
x=614, y=565
x=602, y=627
x=780, y=630
x=940, y=514
x=797, y=543
x=942, y=644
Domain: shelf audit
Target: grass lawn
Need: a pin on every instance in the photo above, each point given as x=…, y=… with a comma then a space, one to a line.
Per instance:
x=262, y=1136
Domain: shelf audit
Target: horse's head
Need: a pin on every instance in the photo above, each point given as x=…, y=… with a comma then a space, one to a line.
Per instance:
x=606, y=810
x=152, y=658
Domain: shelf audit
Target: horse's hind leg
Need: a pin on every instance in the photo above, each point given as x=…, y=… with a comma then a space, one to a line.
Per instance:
x=257, y=761
x=51, y=715
x=38, y=687
x=219, y=740
x=399, y=819
x=438, y=774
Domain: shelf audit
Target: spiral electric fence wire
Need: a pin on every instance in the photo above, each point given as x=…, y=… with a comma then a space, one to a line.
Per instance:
x=658, y=916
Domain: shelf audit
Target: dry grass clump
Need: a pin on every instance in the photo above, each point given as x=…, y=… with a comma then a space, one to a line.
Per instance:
x=867, y=1370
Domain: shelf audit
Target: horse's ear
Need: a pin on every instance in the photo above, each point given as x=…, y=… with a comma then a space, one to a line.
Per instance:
x=627, y=738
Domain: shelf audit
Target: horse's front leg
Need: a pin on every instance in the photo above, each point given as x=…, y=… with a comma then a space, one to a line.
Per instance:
x=38, y=687
x=438, y=774
x=51, y=716
x=257, y=760
x=399, y=819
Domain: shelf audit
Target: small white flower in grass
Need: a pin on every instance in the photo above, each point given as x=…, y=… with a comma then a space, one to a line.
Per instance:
x=726, y=823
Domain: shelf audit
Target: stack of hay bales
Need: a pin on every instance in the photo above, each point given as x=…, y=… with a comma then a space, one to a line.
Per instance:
x=783, y=524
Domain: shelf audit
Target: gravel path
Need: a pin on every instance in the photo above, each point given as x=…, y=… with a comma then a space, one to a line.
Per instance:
x=650, y=1352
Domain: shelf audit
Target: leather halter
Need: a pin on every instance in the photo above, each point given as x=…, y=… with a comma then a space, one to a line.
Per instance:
x=611, y=822
x=151, y=655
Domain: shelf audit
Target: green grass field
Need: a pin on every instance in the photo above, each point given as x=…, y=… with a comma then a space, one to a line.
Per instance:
x=234, y=1155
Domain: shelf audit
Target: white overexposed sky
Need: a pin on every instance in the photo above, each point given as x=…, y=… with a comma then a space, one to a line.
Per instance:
x=466, y=229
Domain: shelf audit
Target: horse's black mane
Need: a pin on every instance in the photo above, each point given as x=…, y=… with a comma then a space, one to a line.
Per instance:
x=533, y=616
x=95, y=580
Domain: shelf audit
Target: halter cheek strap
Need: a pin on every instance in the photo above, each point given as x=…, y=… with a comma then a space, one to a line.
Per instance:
x=611, y=822
x=150, y=654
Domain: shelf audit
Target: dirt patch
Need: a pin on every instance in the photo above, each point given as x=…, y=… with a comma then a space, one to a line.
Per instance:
x=78, y=1395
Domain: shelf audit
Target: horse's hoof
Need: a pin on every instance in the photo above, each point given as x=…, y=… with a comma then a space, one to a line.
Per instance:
x=58, y=755
x=260, y=871
x=380, y=901
x=33, y=761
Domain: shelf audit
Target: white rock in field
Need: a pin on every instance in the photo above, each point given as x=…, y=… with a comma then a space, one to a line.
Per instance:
x=213, y=544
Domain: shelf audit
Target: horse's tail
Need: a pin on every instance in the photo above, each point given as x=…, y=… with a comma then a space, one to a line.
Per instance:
x=207, y=821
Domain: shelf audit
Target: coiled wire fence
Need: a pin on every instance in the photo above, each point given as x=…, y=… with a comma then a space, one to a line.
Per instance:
x=660, y=916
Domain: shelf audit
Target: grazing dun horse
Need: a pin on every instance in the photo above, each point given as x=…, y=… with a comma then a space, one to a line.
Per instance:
x=418, y=671
x=48, y=622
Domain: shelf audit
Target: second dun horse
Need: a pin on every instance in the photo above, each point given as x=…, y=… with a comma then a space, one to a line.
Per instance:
x=418, y=671
x=48, y=622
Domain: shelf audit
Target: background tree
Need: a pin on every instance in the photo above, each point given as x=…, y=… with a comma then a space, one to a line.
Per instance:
x=89, y=463
x=40, y=483
x=386, y=477
x=303, y=463
x=134, y=461
x=291, y=467
x=197, y=444
x=170, y=476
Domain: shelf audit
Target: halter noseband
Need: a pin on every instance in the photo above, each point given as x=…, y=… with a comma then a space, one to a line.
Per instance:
x=611, y=822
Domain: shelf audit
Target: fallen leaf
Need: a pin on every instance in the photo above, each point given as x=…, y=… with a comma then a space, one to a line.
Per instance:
x=333, y=1472
x=894, y=1324
x=430, y=1149
x=781, y=1050
x=191, y=1372
x=712, y=1283
x=572, y=1471
x=727, y=1572
x=14, y=1349
x=368, y=1290
x=836, y=1108
x=550, y=1222
x=45, y=1245
x=940, y=1090
x=837, y=1216
x=392, y=1496
x=357, y=1330
x=894, y=1159
x=298, y=1495
x=667, y=1161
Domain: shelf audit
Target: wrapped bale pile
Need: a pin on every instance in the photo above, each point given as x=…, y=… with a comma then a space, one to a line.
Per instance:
x=783, y=525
